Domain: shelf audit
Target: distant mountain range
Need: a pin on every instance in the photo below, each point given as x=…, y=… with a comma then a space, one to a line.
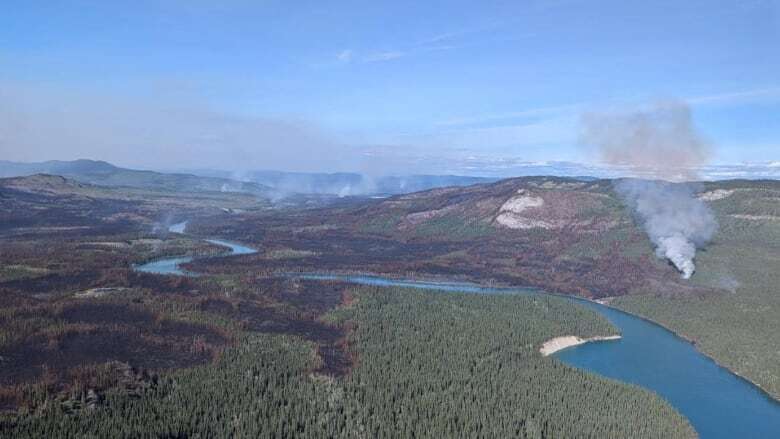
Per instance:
x=280, y=184
x=345, y=183
x=105, y=174
x=272, y=184
x=356, y=184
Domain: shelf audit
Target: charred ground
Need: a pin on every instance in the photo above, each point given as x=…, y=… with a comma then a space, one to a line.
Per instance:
x=563, y=235
x=80, y=323
x=77, y=318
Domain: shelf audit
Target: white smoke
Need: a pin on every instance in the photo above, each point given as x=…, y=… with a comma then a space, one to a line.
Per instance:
x=675, y=220
x=345, y=191
x=659, y=142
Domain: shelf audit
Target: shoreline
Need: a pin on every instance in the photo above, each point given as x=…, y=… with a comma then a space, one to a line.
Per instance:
x=180, y=228
x=556, y=344
x=606, y=302
x=696, y=346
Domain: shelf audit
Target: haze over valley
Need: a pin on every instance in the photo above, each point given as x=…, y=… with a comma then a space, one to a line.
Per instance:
x=430, y=220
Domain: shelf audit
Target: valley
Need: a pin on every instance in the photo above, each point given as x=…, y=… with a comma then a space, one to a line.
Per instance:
x=390, y=219
x=71, y=301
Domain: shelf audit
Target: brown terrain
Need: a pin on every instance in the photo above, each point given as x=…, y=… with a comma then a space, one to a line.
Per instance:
x=564, y=235
x=78, y=318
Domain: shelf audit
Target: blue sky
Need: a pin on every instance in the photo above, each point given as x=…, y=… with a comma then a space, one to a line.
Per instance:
x=378, y=86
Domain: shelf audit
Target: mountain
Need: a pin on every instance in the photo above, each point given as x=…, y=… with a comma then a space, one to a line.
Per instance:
x=35, y=203
x=345, y=183
x=277, y=184
x=416, y=183
x=105, y=174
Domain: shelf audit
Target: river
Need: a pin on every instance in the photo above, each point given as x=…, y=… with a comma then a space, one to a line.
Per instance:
x=718, y=403
x=173, y=265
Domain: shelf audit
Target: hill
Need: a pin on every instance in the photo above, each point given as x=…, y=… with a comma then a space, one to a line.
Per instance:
x=268, y=184
x=106, y=174
x=92, y=347
x=738, y=326
x=40, y=202
x=346, y=183
x=563, y=235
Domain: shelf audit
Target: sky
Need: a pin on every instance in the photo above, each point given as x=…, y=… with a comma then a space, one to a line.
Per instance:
x=376, y=87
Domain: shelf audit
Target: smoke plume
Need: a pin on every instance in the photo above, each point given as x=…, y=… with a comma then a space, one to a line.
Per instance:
x=661, y=145
x=675, y=220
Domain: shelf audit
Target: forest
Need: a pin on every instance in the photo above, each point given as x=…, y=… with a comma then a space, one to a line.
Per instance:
x=425, y=364
x=737, y=327
x=91, y=347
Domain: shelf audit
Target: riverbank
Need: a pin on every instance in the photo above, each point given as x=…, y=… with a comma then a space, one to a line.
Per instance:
x=469, y=281
x=646, y=348
x=697, y=346
x=607, y=302
x=478, y=282
x=559, y=343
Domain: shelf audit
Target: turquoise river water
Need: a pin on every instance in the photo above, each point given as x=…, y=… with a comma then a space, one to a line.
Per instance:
x=718, y=403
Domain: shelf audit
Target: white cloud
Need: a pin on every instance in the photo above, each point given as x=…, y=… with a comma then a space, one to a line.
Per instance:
x=461, y=33
x=345, y=55
x=384, y=56
x=436, y=43
x=733, y=98
x=769, y=94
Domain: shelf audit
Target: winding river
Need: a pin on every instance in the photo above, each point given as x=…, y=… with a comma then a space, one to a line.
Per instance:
x=718, y=403
x=173, y=265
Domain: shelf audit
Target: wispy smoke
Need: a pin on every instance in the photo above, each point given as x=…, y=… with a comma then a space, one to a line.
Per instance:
x=657, y=142
x=660, y=143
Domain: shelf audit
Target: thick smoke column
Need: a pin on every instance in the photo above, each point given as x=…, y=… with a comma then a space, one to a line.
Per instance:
x=676, y=221
x=658, y=143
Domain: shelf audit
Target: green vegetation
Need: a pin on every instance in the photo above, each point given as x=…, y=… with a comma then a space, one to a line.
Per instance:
x=16, y=272
x=244, y=354
x=384, y=224
x=460, y=365
x=454, y=228
x=288, y=253
x=428, y=365
x=737, y=326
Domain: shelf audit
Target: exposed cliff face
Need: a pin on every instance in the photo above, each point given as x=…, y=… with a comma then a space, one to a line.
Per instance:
x=562, y=234
x=516, y=204
x=513, y=213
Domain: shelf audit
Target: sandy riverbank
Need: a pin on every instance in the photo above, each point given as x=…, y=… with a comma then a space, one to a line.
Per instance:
x=558, y=343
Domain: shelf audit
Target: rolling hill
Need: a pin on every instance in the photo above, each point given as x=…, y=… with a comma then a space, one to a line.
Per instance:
x=346, y=183
x=562, y=235
x=105, y=174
